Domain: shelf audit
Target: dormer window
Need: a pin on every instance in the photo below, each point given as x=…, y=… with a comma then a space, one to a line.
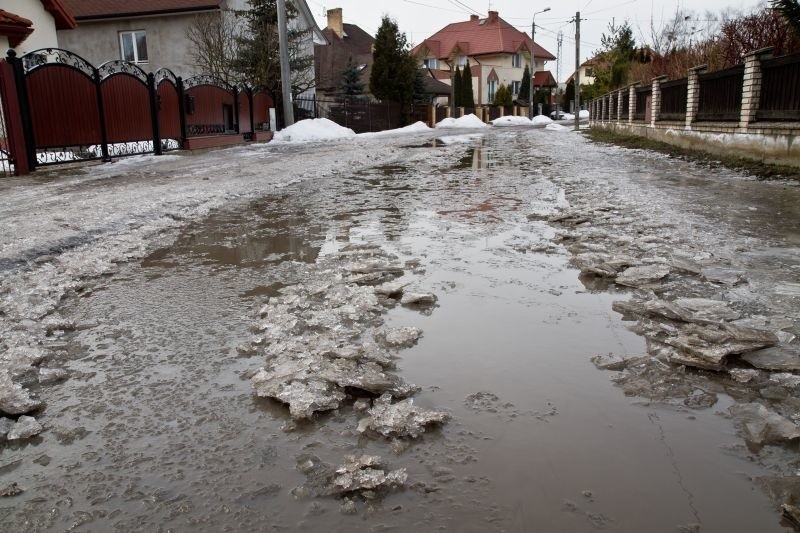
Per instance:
x=461, y=61
x=432, y=63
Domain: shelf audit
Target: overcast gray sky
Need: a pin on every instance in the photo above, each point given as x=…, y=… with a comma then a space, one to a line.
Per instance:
x=419, y=19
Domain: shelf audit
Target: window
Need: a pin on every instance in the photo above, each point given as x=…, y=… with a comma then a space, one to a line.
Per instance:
x=432, y=63
x=515, y=86
x=461, y=61
x=516, y=61
x=133, y=46
x=589, y=72
x=492, y=90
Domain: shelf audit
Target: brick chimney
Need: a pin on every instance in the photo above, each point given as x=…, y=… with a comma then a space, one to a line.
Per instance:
x=336, y=21
x=474, y=18
x=493, y=16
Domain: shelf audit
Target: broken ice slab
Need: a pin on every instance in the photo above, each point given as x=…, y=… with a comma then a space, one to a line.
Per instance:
x=788, y=289
x=781, y=358
x=603, y=265
x=643, y=276
x=363, y=475
x=723, y=276
x=25, y=428
x=401, y=419
x=615, y=363
x=763, y=426
x=317, y=383
x=14, y=400
x=418, y=299
x=403, y=337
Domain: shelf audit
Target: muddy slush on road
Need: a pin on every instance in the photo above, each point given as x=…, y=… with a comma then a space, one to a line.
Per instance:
x=432, y=331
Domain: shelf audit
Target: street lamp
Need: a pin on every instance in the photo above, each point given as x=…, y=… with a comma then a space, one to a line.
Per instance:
x=533, y=60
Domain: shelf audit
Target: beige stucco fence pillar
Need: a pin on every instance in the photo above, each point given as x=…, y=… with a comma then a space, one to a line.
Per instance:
x=632, y=102
x=693, y=94
x=620, y=101
x=655, y=105
x=751, y=90
x=604, y=109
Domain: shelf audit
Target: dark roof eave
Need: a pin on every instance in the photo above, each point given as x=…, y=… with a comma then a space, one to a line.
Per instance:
x=182, y=11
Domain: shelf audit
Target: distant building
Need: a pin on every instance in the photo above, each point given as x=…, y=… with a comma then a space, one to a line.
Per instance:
x=496, y=51
x=27, y=25
x=587, y=71
x=345, y=42
x=153, y=33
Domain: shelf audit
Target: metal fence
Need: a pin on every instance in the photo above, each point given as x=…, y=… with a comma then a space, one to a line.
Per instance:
x=673, y=99
x=643, y=97
x=780, y=89
x=73, y=111
x=6, y=168
x=721, y=95
x=360, y=115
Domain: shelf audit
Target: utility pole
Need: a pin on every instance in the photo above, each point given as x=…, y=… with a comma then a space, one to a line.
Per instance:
x=286, y=75
x=533, y=60
x=578, y=71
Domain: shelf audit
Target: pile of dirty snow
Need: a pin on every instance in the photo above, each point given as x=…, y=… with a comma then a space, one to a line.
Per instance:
x=417, y=127
x=584, y=114
x=465, y=122
x=541, y=120
x=556, y=127
x=511, y=121
x=317, y=129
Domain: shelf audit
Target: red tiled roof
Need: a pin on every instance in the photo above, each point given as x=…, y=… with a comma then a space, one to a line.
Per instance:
x=14, y=27
x=96, y=9
x=477, y=37
x=544, y=78
x=61, y=14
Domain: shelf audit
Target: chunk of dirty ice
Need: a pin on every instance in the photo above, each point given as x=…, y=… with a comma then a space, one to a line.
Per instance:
x=14, y=400
x=401, y=419
x=363, y=475
x=25, y=428
x=390, y=290
x=723, y=276
x=706, y=309
x=5, y=426
x=708, y=347
x=403, y=337
x=744, y=375
x=348, y=507
x=418, y=298
x=361, y=404
x=614, y=362
x=642, y=276
x=49, y=376
x=763, y=426
x=10, y=491
x=781, y=358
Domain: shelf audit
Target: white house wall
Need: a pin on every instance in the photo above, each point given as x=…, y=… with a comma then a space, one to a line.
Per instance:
x=44, y=26
x=167, y=43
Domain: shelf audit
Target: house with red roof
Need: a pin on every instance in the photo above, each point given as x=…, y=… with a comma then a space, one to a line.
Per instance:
x=32, y=24
x=496, y=51
x=153, y=33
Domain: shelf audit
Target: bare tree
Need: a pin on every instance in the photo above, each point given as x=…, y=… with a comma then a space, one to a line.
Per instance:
x=215, y=41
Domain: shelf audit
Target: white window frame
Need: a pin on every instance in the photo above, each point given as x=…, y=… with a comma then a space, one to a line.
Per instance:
x=516, y=61
x=432, y=63
x=515, y=87
x=133, y=34
x=492, y=90
x=461, y=61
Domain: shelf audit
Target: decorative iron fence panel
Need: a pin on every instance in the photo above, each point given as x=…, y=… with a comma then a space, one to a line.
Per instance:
x=721, y=95
x=361, y=116
x=441, y=114
x=6, y=164
x=209, y=106
x=262, y=102
x=494, y=112
x=169, y=106
x=673, y=99
x=643, y=98
x=626, y=106
x=780, y=89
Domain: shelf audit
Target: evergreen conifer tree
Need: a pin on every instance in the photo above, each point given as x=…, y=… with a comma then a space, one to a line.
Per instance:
x=351, y=79
x=393, y=68
x=525, y=86
x=457, y=87
x=467, y=98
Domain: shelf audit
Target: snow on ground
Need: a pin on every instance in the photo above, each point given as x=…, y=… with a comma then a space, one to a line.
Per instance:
x=511, y=121
x=417, y=127
x=465, y=122
x=311, y=130
x=456, y=139
x=541, y=120
x=556, y=127
x=584, y=113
